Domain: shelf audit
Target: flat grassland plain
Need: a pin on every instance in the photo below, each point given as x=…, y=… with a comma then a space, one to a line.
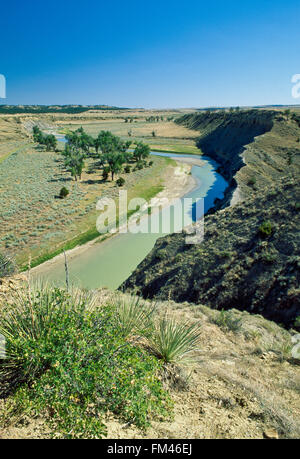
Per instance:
x=34, y=222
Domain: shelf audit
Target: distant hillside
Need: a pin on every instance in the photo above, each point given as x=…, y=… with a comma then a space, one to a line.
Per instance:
x=237, y=139
x=37, y=109
x=237, y=265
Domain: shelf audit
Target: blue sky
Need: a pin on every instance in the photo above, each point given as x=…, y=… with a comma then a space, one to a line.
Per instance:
x=150, y=54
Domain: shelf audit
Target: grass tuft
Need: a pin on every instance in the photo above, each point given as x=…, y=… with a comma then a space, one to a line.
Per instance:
x=173, y=342
x=134, y=315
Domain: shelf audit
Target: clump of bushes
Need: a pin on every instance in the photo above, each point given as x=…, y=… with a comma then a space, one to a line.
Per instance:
x=120, y=181
x=265, y=229
x=252, y=181
x=227, y=321
x=63, y=192
x=162, y=254
x=127, y=169
x=268, y=257
x=140, y=165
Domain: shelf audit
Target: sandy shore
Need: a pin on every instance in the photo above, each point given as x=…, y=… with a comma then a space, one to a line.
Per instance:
x=178, y=182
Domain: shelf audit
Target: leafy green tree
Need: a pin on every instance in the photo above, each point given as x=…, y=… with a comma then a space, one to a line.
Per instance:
x=142, y=151
x=108, y=142
x=63, y=192
x=105, y=172
x=50, y=142
x=80, y=139
x=113, y=151
x=74, y=161
x=37, y=134
x=115, y=162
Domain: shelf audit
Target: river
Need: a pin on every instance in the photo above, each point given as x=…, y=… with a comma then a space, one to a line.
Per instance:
x=109, y=263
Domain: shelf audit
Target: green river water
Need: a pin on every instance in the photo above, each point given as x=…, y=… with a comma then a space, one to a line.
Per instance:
x=109, y=263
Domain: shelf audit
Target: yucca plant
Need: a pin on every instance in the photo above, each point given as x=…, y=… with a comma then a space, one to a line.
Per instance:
x=71, y=362
x=28, y=325
x=134, y=315
x=173, y=342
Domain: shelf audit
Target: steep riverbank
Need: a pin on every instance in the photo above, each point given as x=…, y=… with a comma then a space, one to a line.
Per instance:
x=251, y=147
x=237, y=265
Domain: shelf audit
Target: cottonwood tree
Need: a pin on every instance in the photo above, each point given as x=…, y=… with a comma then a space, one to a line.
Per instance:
x=80, y=139
x=48, y=140
x=74, y=161
x=141, y=151
x=115, y=161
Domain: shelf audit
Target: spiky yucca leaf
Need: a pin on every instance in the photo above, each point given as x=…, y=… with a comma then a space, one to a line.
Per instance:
x=134, y=315
x=173, y=342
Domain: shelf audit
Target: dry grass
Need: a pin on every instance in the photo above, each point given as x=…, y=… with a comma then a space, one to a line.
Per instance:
x=139, y=129
x=34, y=220
x=233, y=390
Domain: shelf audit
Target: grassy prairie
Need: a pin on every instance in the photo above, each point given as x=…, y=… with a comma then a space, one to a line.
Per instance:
x=34, y=221
x=139, y=128
x=169, y=138
x=177, y=149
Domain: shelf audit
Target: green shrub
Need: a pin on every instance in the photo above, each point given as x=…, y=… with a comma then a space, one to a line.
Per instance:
x=268, y=257
x=297, y=322
x=227, y=321
x=7, y=266
x=252, y=181
x=63, y=192
x=225, y=254
x=120, y=181
x=69, y=361
x=127, y=169
x=265, y=229
x=150, y=163
x=161, y=254
x=173, y=342
x=105, y=172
